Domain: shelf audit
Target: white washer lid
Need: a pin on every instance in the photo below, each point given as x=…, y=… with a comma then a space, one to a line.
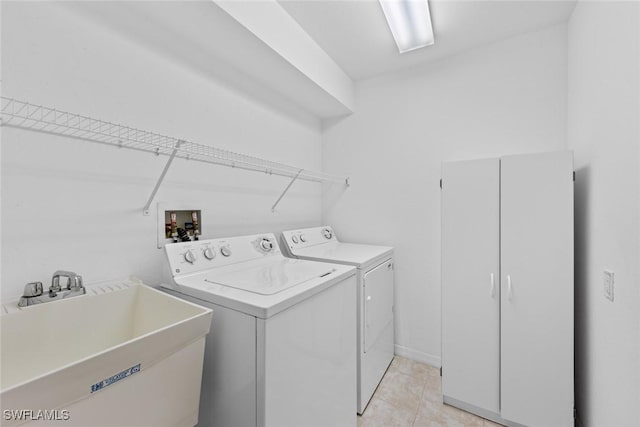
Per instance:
x=258, y=305
x=270, y=278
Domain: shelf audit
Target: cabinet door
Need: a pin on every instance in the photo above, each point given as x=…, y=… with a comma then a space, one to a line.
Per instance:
x=470, y=284
x=537, y=289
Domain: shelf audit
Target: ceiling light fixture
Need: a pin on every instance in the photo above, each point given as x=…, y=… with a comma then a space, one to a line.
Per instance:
x=410, y=23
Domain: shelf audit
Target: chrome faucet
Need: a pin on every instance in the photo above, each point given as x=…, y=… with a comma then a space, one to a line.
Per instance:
x=34, y=294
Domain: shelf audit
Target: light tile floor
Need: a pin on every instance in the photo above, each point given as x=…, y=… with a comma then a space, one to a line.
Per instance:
x=410, y=396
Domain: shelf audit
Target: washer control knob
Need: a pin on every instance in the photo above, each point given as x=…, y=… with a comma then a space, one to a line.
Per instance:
x=190, y=257
x=209, y=253
x=327, y=233
x=303, y=238
x=266, y=245
x=295, y=239
x=225, y=251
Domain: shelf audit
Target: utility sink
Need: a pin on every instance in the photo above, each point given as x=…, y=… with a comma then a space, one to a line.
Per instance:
x=124, y=354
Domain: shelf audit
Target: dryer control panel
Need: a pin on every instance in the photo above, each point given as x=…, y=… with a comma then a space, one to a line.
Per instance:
x=303, y=238
x=192, y=257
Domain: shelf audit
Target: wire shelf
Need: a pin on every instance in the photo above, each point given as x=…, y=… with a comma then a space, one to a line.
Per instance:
x=24, y=115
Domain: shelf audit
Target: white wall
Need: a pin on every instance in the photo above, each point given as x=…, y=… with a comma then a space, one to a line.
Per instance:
x=604, y=132
x=505, y=98
x=69, y=204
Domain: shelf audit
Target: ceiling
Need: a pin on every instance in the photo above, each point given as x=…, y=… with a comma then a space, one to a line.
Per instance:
x=204, y=38
x=355, y=33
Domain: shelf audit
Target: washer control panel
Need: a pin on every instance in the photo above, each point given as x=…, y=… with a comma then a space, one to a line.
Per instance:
x=298, y=239
x=191, y=257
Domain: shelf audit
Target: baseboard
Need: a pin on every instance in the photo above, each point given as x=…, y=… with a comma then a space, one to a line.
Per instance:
x=484, y=413
x=418, y=356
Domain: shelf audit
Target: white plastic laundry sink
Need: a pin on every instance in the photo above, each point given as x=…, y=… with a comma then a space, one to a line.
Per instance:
x=124, y=354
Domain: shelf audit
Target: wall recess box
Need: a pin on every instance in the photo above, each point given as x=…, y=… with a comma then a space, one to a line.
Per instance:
x=188, y=223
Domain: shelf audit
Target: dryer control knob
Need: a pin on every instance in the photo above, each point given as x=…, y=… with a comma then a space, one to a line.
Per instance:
x=225, y=251
x=294, y=239
x=303, y=238
x=190, y=257
x=266, y=245
x=209, y=253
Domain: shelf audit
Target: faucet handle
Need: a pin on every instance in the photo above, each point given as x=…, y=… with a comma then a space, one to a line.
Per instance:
x=33, y=289
x=31, y=292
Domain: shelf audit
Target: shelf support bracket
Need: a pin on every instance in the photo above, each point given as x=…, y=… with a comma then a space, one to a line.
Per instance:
x=145, y=210
x=273, y=208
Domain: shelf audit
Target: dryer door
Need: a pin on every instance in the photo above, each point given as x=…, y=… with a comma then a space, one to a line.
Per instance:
x=378, y=302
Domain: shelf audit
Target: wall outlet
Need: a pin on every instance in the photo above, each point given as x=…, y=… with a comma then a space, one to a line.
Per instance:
x=608, y=285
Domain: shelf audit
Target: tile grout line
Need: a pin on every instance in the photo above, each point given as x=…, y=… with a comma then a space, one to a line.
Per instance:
x=402, y=373
x=424, y=387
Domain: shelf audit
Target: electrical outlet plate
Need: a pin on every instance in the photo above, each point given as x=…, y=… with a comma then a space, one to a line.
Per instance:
x=608, y=284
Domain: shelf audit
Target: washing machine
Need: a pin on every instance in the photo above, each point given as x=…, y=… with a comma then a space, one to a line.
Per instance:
x=374, y=307
x=281, y=350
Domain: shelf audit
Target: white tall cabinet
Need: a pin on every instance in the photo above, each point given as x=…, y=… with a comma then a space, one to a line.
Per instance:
x=507, y=288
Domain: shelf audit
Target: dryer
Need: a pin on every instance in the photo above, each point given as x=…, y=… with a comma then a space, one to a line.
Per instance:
x=375, y=290
x=281, y=351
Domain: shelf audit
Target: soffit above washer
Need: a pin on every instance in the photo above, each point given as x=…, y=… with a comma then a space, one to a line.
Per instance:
x=355, y=33
x=210, y=40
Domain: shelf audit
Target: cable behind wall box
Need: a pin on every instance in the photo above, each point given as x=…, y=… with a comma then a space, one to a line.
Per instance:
x=24, y=115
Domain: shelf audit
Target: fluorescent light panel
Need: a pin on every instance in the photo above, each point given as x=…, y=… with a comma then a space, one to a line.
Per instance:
x=410, y=23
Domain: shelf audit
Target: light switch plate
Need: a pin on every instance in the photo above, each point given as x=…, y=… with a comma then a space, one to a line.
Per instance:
x=608, y=284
